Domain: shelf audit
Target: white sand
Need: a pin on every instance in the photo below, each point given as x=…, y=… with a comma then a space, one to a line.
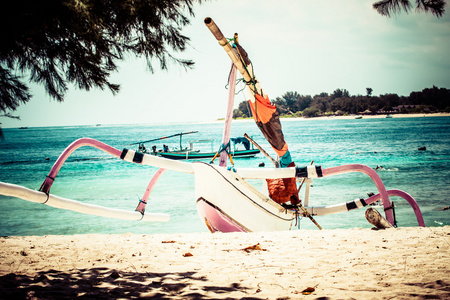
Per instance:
x=403, y=263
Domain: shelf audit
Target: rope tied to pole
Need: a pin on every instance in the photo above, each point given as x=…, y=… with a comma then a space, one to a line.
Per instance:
x=222, y=148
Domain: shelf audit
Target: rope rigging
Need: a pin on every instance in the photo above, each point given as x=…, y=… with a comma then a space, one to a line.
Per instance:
x=245, y=60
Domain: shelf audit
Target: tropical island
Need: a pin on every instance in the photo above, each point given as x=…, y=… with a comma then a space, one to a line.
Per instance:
x=341, y=103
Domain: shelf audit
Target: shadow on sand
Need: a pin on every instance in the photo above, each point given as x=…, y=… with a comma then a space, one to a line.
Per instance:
x=104, y=283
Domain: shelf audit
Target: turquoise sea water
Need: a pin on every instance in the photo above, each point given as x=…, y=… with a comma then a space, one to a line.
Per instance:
x=92, y=176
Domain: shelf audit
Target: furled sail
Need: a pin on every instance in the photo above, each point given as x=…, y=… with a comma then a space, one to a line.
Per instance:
x=266, y=117
x=264, y=113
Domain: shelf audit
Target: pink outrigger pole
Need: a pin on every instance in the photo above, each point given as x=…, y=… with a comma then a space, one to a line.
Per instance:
x=43, y=195
x=46, y=185
x=143, y=202
x=228, y=117
x=383, y=193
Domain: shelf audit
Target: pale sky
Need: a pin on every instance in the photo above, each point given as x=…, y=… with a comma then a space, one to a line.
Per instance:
x=307, y=47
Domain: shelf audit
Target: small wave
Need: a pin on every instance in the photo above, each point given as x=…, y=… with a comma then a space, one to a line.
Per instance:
x=47, y=160
x=23, y=162
x=381, y=168
x=80, y=159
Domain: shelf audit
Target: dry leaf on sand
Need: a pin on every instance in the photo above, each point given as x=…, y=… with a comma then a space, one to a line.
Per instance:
x=254, y=247
x=309, y=290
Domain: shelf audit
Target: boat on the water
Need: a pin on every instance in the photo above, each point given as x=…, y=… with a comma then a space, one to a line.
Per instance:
x=154, y=149
x=234, y=150
x=224, y=197
x=238, y=147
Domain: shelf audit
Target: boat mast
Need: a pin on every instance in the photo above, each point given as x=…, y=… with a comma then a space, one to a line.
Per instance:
x=164, y=137
x=255, y=88
x=264, y=112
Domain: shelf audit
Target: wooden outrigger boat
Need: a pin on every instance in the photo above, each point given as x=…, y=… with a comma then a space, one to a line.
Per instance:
x=154, y=151
x=192, y=153
x=233, y=150
x=225, y=201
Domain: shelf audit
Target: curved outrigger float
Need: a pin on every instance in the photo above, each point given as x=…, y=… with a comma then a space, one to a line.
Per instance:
x=225, y=201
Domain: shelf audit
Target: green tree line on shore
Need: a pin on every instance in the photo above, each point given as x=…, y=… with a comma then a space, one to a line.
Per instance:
x=340, y=102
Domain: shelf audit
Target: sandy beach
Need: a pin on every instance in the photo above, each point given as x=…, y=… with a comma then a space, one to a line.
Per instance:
x=403, y=263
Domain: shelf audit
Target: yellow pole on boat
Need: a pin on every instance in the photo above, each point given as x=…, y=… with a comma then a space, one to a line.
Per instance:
x=215, y=156
x=231, y=159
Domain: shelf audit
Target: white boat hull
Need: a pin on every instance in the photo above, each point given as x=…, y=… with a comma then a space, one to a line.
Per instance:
x=226, y=202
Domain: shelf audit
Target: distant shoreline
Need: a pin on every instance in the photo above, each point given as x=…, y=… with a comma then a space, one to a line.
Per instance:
x=346, y=117
x=375, y=116
x=218, y=121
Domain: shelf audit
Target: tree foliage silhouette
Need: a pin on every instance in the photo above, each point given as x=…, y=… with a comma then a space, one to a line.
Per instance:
x=57, y=42
x=389, y=7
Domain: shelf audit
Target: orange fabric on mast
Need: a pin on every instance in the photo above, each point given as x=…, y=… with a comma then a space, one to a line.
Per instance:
x=264, y=109
x=282, y=151
x=266, y=117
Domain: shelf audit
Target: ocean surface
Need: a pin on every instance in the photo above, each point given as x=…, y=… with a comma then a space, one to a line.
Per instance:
x=92, y=176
